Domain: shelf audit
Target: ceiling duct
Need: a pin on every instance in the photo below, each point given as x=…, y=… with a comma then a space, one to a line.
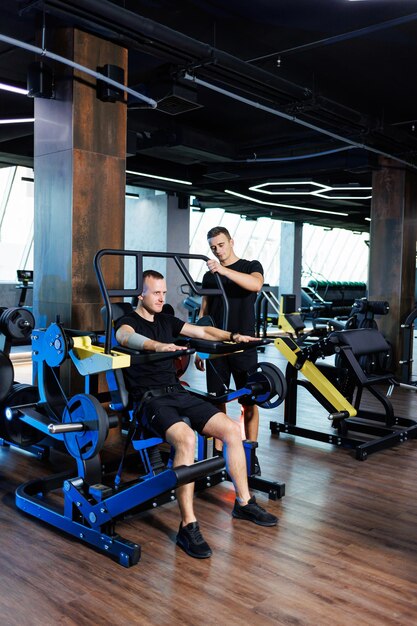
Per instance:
x=174, y=98
x=221, y=175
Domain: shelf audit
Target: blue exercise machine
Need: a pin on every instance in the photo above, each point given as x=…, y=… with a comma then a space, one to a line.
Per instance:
x=87, y=501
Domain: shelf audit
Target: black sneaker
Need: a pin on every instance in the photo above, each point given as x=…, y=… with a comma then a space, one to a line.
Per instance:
x=256, y=467
x=254, y=513
x=191, y=540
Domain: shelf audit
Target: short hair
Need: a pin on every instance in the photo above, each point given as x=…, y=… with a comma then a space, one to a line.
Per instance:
x=151, y=274
x=218, y=230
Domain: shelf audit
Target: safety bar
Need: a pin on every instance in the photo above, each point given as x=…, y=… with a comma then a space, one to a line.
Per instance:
x=139, y=256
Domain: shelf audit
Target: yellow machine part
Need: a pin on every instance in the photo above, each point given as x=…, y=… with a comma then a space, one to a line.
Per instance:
x=91, y=359
x=284, y=324
x=289, y=349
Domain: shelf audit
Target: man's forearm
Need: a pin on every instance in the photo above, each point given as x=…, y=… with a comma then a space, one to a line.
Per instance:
x=134, y=341
x=247, y=281
x=212, y=333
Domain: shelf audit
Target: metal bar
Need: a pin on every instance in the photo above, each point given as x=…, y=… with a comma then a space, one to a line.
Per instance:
x=296, y=120
x=139, y=255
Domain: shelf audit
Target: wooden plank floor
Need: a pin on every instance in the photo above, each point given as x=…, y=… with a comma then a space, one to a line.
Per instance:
x=344, y=552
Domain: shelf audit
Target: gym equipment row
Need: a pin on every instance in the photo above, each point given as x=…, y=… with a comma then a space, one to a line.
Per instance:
x=362, y=315
x=339, y=389
x=88, y=501
x=330, y=298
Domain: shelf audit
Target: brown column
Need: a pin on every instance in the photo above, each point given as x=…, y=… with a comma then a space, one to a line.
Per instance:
x=80, y=151
x=392, y=263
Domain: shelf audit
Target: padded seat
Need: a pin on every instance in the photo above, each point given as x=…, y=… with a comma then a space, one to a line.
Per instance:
x=361, y=342
x=118, y=309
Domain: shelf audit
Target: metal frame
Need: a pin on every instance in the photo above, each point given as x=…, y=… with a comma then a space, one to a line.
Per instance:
x=139, y=256
x=381, y=430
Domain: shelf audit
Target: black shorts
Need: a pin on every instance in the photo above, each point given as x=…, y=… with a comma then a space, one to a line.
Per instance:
x=238, y=365
x=161, y=412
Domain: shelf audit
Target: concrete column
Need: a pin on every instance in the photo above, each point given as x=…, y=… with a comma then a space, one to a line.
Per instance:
x=393, y=236
x=80, y=152
x=291, y=260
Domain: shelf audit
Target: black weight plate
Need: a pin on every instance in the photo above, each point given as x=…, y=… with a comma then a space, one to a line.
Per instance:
x=15, y=431
x=181, y=364
x=386, y=360
x=17, y=323
x=369, y=363
x=275, y=385
x=85, y=409
x=6, y=375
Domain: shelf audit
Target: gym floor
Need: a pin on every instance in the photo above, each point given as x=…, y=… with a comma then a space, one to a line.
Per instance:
x=344, y=552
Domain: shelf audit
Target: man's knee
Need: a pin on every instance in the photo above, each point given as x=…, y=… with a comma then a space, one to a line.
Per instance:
x=187, y=441
x=249, y=409
x=181, y=436
x=232, y=432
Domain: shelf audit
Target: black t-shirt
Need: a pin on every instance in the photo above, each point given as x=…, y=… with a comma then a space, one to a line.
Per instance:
x=241, y=301
x=165, y=328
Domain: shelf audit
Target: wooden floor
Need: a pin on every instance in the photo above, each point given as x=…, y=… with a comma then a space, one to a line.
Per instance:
x=344, y=552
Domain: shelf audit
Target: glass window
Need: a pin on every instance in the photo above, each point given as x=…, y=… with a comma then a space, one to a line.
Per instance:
x=16, y=221
x=327, y=254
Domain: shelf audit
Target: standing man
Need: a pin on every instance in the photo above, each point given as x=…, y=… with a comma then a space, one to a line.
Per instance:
x=165, y=403
x=242, y=280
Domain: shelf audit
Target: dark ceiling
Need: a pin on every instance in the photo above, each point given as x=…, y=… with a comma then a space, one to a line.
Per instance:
x=293, y=95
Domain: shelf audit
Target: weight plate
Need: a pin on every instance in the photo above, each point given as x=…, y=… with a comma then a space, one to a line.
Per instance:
x=181, y=364
x=6, y=375
x=274, y=383
x=85, y=409
x=15, y=431
x=17, y=323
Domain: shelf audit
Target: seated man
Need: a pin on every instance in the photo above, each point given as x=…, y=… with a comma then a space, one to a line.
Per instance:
x=167, y=402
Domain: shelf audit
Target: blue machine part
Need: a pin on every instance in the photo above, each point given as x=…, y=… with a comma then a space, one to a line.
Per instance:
x=50, y=345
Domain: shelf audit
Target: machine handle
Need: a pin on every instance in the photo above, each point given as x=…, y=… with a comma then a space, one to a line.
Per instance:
x=74, y=427
x=338, y=416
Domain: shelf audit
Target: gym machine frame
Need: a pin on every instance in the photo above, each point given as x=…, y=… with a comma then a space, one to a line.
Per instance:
x=381, y=430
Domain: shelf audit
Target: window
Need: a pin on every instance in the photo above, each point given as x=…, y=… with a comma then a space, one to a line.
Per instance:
x=16, y=221
x=327, y=254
